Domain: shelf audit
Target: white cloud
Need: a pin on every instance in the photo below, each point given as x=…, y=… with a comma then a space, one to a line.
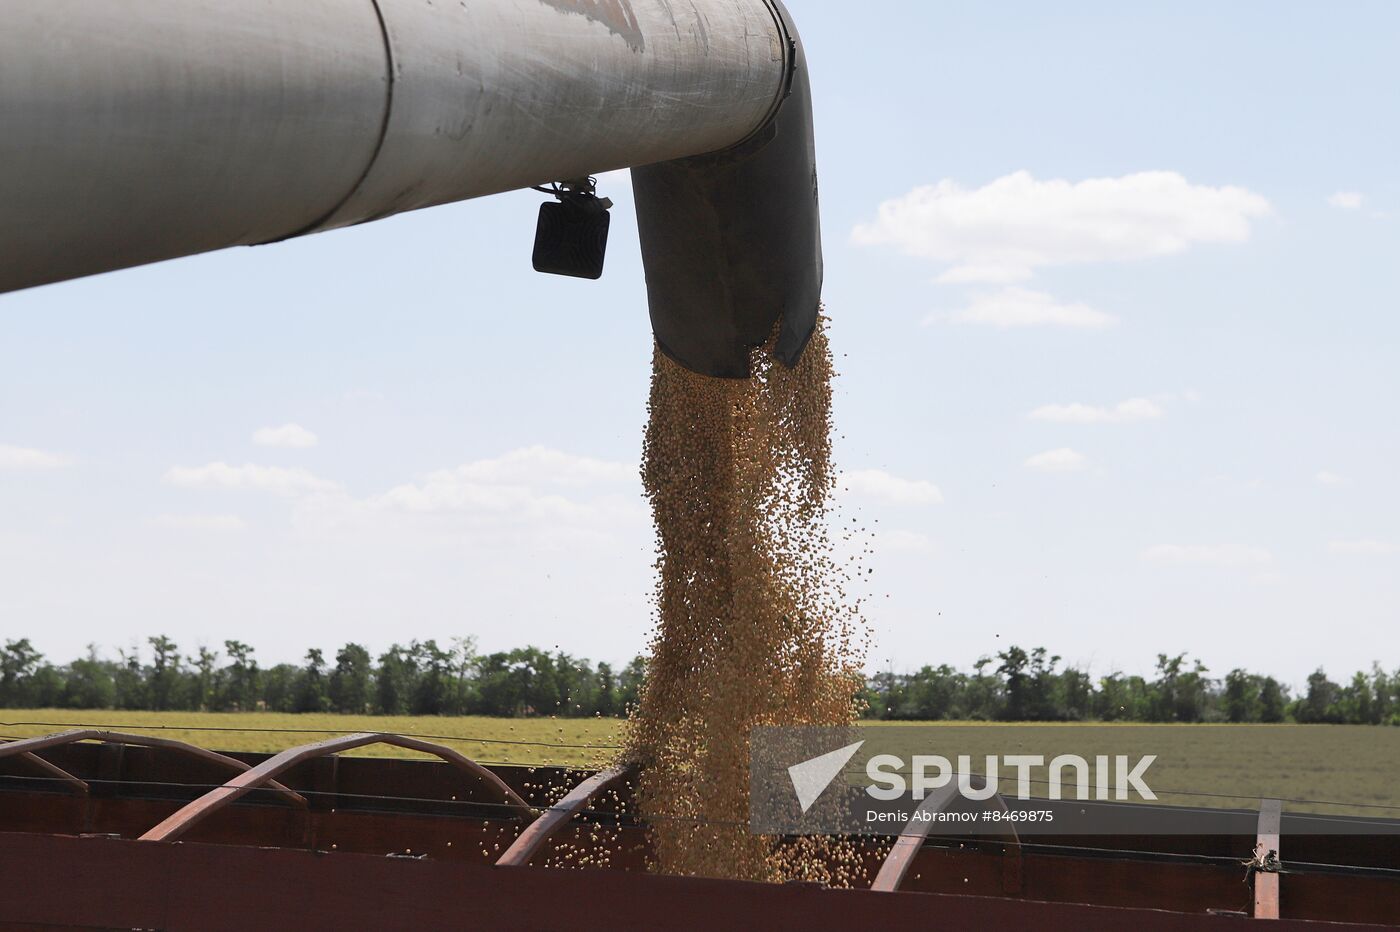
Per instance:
x=983, y=275
x=880, y=485
x=28, y=458
x=1346, y=200
x=446, y=491
x=521, y=494
x=1062, y=460
x=1014, y=225
x=522, y=482
x=250, y=477
x=902, y=541
x=1327, y=477
x=221, y=523
x=1363, y=547
x=539, y=464
x=1021, y=307
x=290, y=436
x=1227, y=556
x=1134, y=409
x=524, y=503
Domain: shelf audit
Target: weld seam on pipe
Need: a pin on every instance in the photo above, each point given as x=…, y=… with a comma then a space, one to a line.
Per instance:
x=145, y=130
x=389, y=82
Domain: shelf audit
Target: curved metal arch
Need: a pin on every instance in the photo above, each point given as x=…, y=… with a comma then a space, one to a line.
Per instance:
x=26, y=747
x=533, y=839
x=196, y=811
x=38, y=763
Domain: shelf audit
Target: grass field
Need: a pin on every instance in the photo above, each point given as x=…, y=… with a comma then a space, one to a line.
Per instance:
x=590, y=742
x=1229, y=766
x=1205, y=765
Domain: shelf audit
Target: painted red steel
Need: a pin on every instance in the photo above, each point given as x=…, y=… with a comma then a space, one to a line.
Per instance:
x=1266, y=883
x=78, y=786
x=538, y=833
x=115, y=883
x=201, y=808
x=374, y=805
x=911, y=840
x=27, y=746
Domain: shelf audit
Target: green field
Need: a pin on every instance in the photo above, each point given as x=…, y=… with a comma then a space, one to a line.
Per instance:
x=1229, y=766
x=590, y=742
x=1206, y=765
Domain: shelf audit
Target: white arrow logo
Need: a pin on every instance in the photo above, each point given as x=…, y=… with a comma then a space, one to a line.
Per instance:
x=811, y=777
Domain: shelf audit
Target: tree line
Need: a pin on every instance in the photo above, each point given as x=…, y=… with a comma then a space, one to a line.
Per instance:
x=422, y=678
x=1030, y=686
x=425, y=678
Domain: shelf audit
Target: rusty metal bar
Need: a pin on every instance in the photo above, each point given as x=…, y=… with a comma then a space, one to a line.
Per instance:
x=201, y=808
x=27, y=746
x=537, y=833
x=1266, y=848
x=906, y=846
x=38, y=763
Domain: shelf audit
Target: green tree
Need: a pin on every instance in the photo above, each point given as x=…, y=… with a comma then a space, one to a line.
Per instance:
x=130, y=681
x=1242, y=695
x=394, y=681
x=464, y=690
x=1179, y=694
x=349, y=687
x=164, y=681
x=1075, y=695
x=1016, y=684
x=1273, y=701
x=311, y=694
x=932, y=694
x=1322, y=703
x=985, y=693
x=1358, y=703
x=19, y=663
x=279, y=687
x=204, y=688
x=1386, y=690
x=89, y=683
x=576, y=685
x=1123, y=698
x=432, y=689
x=607, y=691
x=241, y=678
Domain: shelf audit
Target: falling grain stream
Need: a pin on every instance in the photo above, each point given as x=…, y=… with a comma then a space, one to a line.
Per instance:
x=754, y=623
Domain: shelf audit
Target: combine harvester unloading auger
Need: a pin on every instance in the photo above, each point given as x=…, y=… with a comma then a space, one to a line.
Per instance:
x=133, y=131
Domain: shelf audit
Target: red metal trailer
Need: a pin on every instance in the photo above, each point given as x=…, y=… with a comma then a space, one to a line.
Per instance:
x=108, y=830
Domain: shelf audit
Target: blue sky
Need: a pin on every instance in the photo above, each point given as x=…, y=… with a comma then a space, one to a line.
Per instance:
x=1111, y=290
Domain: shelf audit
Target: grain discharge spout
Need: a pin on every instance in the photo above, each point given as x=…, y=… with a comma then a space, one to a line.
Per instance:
x=133, y=131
